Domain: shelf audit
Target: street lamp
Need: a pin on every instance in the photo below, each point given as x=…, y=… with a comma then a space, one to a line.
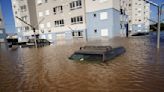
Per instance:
x=159, y=19
x=32, y=27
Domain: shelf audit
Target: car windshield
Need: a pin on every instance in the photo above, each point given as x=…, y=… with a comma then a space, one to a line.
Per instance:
x=86, y=57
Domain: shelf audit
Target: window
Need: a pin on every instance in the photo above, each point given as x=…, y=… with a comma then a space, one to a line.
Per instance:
x=47, y=12
x=39, y=2
x=77, y=20
x=103, y=15
x=41, y=26
x=104, y=32
x=23, y=8
x=24, y=18
x=94, y=15
x=48, y=24
x=139, y=30
x=139, y=25
x=49, y=36
x=1, y=31
x=19, y=30
x=27, y=28
x=40, y=14
x=75, y=4
x=46, y=1
x=43, y=37
x=59, y=23
x=95, y=30
x=101, y=1
x=58, y=9
x=77, y=34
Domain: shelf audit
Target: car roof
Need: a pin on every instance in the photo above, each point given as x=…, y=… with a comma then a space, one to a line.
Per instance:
x=93, y=50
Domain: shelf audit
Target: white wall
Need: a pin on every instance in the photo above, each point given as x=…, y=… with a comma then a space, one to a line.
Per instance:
x=95, y=5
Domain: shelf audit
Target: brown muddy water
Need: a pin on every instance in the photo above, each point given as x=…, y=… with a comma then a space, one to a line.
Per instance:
x=48, y=69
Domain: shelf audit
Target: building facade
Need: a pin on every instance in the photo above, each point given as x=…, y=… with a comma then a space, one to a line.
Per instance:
x=2, y=29
x=61, y=19
x=138, y=14
x=26, y=10
x=67, y=19
x=103, y=18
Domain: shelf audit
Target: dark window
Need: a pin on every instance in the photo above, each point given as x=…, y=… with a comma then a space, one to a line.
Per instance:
x=46, y=1
x=94, y=15
x=75, y=4
x=59, y=23
x=95, y=30
x=77, y=20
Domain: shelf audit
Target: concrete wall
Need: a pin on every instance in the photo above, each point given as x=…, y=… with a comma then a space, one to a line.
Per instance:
x=97, y=27
x=95, y=5
x=112, y=23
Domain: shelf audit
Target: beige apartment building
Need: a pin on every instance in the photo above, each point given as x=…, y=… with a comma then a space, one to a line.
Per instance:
x=61, y=19
x=137, y=14
x=26, y=10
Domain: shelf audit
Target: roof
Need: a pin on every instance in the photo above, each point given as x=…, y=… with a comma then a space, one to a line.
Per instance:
x=94, y=50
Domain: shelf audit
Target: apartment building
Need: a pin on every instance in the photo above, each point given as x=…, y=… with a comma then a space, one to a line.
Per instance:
x=138, y=14
x=26, y=10
x=61, y=19
x=67, y=19
x=103, y=18
x=2, y=29
x=91, y=19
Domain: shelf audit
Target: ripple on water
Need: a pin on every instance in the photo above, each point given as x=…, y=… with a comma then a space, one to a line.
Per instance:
x=47, y=69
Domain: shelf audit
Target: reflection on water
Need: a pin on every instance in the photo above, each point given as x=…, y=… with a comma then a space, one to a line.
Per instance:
x=47, y=69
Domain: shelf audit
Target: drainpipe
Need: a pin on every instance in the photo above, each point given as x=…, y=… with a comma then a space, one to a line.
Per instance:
x=85, y=15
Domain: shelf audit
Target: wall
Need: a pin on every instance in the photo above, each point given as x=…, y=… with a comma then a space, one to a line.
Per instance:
x=112, y=23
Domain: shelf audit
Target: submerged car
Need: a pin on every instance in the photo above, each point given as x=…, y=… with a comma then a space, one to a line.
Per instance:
x=97, y=53
x=140, y=34
x=40, y=43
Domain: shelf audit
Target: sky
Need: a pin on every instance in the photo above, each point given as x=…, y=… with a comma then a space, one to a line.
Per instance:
x=9, y=21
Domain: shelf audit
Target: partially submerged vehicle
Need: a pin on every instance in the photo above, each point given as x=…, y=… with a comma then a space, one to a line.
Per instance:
x=40, y=43
x=140, y=34
x=97, y=53
x=12, y=42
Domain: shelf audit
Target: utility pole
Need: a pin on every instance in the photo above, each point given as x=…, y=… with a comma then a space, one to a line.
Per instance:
x=32, y=27
x=159, y=27
x=159, y=7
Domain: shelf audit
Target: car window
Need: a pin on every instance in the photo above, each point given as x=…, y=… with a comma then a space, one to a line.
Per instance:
x=77, y=57
x=91, y=57
x=86, y=57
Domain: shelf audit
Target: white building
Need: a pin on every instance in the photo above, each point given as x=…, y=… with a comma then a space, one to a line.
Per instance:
x=2, y=29
x=138, y=14
x=26, y=10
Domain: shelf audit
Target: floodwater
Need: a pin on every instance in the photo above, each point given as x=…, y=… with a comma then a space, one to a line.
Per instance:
x=48, y=69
